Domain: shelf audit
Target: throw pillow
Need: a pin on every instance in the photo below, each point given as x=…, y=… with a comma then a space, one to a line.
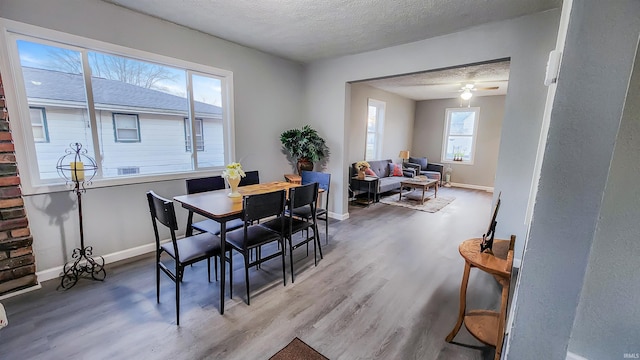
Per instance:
x=370, y=172
x=397, y=170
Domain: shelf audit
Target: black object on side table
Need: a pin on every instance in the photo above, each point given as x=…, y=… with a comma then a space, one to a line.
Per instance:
x=77, y=168
x=368, y=184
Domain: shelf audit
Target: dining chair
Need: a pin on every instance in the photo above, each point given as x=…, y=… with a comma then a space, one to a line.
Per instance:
x=322, y=212
x=253, y=236
x=251, y=178
x=304, y=196
x=184, y=252
x=210, y=183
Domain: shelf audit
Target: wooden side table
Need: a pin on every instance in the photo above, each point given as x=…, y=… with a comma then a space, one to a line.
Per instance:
x=293, y=178
x=485, y=325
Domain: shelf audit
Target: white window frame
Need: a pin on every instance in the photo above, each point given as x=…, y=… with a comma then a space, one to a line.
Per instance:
x=16, y=99
x=42, y=124
x=199, y=122
x=381, y=107
x=117, y=128
x=474, y=136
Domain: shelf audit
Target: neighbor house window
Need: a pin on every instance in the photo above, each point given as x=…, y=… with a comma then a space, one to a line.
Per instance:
x=39, y=124
x=199, y=136
x=460, y=132
x=126, y=107
x=375, y=126
x=126, y=127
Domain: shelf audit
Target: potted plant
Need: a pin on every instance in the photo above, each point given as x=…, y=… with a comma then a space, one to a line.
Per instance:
x=304, y=145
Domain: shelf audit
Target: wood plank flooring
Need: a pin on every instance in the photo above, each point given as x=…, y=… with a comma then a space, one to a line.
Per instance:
x=388, y=288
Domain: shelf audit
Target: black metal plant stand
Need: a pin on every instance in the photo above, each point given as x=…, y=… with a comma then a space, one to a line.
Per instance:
x=78, y=169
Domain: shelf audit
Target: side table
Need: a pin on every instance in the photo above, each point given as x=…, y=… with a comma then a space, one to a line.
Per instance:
x=370, y=183
x=486, y=326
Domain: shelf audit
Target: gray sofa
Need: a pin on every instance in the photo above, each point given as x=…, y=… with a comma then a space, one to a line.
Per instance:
x=423, y=167
x=386, y=182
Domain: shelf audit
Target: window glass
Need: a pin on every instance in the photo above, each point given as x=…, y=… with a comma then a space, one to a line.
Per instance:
x=375, y=121
x=138, y=111
x=460, y=135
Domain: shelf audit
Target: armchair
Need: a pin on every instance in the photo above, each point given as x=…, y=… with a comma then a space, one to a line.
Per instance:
x=423, y=167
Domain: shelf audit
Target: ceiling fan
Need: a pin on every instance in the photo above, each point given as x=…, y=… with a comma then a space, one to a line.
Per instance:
x=468, y=88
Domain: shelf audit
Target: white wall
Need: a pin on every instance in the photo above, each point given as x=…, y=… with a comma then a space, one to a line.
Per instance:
x=428, y=137
x=526, y=40
x=572, y=227
x=398, y=122
x=268, y=100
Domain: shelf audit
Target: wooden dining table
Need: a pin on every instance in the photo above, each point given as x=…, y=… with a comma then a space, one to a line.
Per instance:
x=218, y=206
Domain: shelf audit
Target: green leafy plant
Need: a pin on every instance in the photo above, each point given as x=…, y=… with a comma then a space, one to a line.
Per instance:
x=304, y=143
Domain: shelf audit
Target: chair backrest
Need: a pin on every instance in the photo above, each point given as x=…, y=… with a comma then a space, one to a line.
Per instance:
x=304, y=195
x=162, y=211
x=251, y=178
x=323, y=180
x=260, y=206
x=199, y=185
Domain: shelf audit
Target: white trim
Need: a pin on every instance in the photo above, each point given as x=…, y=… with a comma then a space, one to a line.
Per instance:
x=445, y=135
x=516, y=263
x=572, y=356
x=337, y=216
x=475, y=187
x=23, y=291
x=55, y=272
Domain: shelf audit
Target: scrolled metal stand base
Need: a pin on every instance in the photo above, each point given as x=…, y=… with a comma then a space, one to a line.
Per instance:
x=84, y=263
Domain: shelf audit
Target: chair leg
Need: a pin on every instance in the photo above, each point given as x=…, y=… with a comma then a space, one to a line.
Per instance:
x=284, y=267
x=230, y=274
x=315, y=241
x=315, y=230
x=158, y=278
x=178, y=280
x=293, y=276
x=326, y=230
x=215, y=264
x=209, y=269
x=246, y=276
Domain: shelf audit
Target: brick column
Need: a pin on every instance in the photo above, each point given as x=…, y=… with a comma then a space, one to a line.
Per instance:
x=17, y=263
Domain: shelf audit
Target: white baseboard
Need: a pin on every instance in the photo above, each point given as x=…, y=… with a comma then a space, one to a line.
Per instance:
x=475, y=187
x=572, y=356
x=29, y=289
x=55, y=272
x=338, y=216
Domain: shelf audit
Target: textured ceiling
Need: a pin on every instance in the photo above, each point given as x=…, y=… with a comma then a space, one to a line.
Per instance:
x=445, y=84
x=308, y=30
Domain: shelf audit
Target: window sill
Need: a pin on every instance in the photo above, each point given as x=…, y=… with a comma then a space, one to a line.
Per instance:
x=456, y=162
x=59, y=186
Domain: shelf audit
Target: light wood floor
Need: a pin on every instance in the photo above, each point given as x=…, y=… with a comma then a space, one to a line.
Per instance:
x=388, y=288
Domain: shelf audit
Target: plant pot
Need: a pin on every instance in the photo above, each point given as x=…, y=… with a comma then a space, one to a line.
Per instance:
x=304, y=164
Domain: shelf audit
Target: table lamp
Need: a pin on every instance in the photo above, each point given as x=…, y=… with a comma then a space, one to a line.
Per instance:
x=404, y=155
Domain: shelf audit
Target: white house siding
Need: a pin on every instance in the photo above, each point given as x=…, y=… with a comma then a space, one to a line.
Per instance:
x=161, y=148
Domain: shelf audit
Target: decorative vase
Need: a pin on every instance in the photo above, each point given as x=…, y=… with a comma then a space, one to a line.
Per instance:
x=304, y=164
x=361, y=174
x=233, y=184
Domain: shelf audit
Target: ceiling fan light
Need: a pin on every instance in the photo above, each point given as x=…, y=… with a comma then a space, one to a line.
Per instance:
x=466, y=94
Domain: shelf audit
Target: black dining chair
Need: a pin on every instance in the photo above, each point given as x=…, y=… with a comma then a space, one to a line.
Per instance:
x=300, y=197
x=184, y=252
x=251, y=178
x=253, y=236
x=210, y=183
x=322, y=212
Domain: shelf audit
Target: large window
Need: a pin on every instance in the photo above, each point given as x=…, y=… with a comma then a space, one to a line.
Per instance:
x=129, y=111
x=375, y=126
x=460, y=131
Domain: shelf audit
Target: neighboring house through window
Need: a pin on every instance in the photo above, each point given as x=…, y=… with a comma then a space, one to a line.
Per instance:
x=375, y=126
x=460, y=132
x=39, y=124
x=107, y=97
x=126, y=127
x=199, y=135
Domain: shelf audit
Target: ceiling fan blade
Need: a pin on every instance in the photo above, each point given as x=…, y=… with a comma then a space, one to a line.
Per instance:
x=489, y=88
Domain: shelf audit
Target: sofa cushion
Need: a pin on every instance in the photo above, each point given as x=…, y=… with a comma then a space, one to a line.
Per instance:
x=422, y=161
x=395, y=169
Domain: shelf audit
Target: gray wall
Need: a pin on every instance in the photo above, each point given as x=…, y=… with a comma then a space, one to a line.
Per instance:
x=607, y=321
x=428, y=136
x=526, y=40
x=398, y=123
x=268, y=99
x=569, y=218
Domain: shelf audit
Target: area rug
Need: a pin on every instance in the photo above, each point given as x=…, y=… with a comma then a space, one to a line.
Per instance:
x=412, y=201
x=298, y=350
